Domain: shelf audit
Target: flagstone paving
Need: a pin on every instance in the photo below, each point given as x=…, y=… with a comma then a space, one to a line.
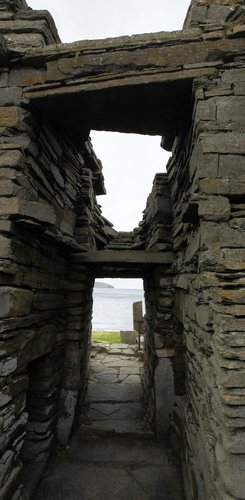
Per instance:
x=120, y=390
x=113, y=455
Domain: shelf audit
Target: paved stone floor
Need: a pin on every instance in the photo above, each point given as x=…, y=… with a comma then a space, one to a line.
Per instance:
x=114, y=403
x=113, y=455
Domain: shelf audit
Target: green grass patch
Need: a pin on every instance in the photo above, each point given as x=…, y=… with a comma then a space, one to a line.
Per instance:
x=107, y=337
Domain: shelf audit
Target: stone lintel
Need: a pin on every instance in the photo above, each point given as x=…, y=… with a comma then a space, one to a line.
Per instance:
x=38, y=57
x=123, y=257
x=148, y=54
x=102, y=85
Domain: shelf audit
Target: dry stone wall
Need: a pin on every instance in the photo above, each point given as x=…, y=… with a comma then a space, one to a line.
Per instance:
x=44, y=313
x=156, y=232
x=48, y=210
x=207, y=179
x=194, y=219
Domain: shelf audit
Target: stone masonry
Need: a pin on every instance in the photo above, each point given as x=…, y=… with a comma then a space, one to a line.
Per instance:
x=189, y=88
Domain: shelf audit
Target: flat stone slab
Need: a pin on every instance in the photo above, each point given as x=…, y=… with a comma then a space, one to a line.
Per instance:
x=119, y=346
x=104, y=378
x=132, y=428
x=115, y=351
x=148, y=477
x=129, y=352
x=101, y=411
x=114, y=392
x=123, y=352
x=112, y=362
x=111, y=469
x=131, y=379
x=129, y=370
x=128, y=451
x=90, y=483
x=99, y=368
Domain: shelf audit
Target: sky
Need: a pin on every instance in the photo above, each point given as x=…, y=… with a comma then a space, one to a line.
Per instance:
x=130, y=161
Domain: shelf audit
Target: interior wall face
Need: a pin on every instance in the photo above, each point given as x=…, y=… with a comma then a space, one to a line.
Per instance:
x=156, y=229
x=207, y=179
x=45, y=299
x=194, y=305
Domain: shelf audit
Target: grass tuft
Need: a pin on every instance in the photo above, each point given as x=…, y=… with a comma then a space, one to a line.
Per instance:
x=107, y=337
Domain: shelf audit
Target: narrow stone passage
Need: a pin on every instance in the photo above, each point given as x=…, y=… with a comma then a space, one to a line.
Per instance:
x=113, y=455
x=114, y=402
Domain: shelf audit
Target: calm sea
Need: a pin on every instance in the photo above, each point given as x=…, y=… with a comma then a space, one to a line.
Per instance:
x=113, y=308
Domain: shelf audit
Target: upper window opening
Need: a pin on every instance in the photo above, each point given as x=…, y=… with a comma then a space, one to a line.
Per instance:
x=130, y=163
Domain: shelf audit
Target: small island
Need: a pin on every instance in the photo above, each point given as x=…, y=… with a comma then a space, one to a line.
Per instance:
x=99, y=284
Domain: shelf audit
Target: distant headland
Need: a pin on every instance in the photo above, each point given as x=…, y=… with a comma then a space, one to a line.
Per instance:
x=99, y=284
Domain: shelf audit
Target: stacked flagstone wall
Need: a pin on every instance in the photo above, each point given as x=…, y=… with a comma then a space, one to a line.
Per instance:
x=194, y=302
x=207, y=184
x=156, y=232
x=46, y=300
x=47, y=210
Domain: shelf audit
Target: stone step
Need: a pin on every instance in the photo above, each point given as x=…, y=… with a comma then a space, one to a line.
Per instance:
x=110, y=428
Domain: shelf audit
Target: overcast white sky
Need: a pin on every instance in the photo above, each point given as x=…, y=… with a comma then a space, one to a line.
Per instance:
x=130, y=161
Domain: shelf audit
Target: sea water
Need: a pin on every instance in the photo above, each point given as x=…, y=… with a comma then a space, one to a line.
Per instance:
x=113, y=308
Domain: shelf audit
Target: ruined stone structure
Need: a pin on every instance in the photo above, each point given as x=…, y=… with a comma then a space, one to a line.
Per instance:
x=187, y=87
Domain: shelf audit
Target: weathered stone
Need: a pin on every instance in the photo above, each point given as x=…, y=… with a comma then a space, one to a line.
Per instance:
x=47, y=300
x=129, y=337
x=12, y=158
x=239, y=89
x=215, y=208
x=230, y=108
x=31, y=452
x=231, y=166
x=232, y=143
x=219, y=13
x=231, y=470
x=41, y=212
x=11, y=484
x=235, y=379
x=233, y=75
x=6, y=462
x=7, y=366
x=214, y=186
x=54, y=239
x=9, y=116
x=206, y=110
x=10, y=96
x=15, y=302
x=24, y=41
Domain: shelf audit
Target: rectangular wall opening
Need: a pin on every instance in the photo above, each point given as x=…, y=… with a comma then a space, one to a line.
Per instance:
x=114, y=402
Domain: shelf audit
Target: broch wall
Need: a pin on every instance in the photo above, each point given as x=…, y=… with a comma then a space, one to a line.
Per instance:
x=189, y=247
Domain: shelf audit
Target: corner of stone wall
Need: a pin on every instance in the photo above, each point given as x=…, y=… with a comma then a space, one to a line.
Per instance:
x=210, y=15
x=24, y=28
x=156, y=230
x=77, y=348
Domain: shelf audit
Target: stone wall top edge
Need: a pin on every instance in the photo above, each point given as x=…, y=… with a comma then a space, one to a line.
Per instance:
x=122, y=42
x=217, y=2
x=204, y=12
x=20, y=12
x=14, y=5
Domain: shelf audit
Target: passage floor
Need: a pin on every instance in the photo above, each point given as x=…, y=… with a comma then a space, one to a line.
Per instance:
x=113, y=455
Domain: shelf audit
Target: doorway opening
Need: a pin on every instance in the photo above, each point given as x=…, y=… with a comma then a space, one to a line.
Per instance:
x=114, y=401
x=113, y=301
